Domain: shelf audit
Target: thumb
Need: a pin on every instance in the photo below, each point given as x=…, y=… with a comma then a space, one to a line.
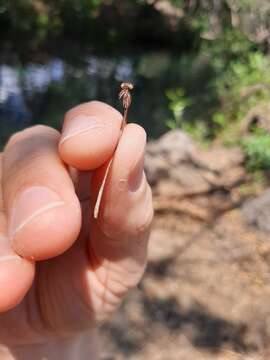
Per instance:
x=119, y=237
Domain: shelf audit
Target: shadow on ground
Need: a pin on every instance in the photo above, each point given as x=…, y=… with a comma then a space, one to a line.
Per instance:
x=205, y=295
x=202, y=329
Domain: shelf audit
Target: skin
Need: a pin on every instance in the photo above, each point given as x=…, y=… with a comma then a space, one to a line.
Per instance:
x=50, y=309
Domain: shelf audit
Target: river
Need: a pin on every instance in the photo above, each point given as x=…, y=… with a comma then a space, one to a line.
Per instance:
x=41, y=91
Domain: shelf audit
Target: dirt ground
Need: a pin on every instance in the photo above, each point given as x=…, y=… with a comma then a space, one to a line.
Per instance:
x=205, y=294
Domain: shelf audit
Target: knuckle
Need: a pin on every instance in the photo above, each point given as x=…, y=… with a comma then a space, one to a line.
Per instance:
x=38, y=128
x=30, y=132
x=13, y=139
x=41, y=129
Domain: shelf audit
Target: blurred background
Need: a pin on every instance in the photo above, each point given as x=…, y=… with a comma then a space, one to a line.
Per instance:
x=201, y=70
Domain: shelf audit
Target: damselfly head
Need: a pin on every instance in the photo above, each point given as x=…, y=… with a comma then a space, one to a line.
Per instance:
x=127, y=86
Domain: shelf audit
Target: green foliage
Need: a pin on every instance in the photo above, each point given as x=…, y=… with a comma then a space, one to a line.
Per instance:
x=243, y=85
x=239, y=79
x=215, y=67
x=34, y=22
x=153, y=65
x=178, y=3
x=177, y=104
x=231, y=44
x=257, y=149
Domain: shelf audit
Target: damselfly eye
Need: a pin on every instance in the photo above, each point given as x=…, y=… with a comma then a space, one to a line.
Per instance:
x=126, y=86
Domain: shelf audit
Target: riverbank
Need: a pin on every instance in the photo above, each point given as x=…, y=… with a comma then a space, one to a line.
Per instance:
x=205, y=294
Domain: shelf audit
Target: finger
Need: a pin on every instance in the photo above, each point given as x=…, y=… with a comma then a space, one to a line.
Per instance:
x=43, y=211
x=126, y=204
x=90, y=135
x=81, y=181
x=12, y=287
x=120, y=234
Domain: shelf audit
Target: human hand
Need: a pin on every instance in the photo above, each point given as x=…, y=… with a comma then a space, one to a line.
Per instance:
x=46, y=209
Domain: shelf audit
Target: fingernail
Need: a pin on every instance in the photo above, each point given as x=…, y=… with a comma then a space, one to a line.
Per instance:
x=30, y=204
x=136, y=175
x=79, y=125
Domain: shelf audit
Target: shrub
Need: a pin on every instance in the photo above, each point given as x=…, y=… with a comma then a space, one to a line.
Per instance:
x=257, y=149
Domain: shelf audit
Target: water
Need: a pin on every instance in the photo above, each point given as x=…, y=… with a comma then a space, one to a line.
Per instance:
x=41, y=92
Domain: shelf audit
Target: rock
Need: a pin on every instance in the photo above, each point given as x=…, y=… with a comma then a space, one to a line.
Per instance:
x=186, y=180
x=185, y=206
x=157, y=250
x=218, y=159
x=257, y=211
x=169, y=151
x=156, y=168
x=231, y=178
x=190, y=179
x=175, y=146
x=169, y=188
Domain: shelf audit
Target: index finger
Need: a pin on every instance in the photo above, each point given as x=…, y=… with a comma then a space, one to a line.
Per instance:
x=90, y=135
x=13, y=287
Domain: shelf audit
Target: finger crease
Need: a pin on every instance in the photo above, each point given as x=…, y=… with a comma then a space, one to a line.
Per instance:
x=39, y=212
